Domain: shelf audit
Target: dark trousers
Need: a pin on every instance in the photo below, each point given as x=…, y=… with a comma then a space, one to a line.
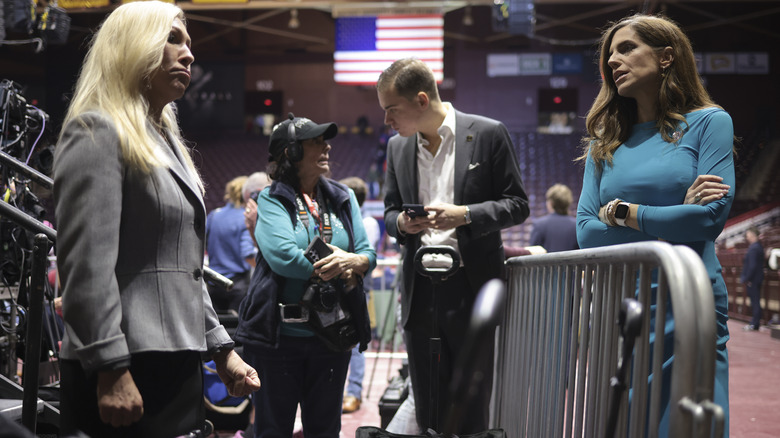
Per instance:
x=302, y=370
x=225, y=301
x=171, y=385
x=455, y=300
x=754, y=292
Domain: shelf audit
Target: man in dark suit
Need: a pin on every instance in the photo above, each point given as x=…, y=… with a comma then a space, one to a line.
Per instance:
x=463, y=169
x=556, y=231
x=753, y=275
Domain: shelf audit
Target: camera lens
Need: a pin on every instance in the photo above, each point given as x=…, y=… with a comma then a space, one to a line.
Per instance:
x=328, y=296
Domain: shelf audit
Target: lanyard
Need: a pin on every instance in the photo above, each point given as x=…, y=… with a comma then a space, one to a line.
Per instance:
x=323, y=220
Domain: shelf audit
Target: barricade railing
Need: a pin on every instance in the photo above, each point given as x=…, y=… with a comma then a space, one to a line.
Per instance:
x=559, y=344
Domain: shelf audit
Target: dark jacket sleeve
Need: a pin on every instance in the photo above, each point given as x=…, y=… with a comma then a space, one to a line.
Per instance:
x=503, y=201
x=393, y=200
x=753, y=265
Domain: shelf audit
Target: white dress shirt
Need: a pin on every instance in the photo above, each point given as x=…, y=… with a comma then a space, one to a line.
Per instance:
x=436, y=176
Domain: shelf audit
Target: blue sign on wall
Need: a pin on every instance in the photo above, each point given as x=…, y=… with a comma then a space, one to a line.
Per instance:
x=567, y=63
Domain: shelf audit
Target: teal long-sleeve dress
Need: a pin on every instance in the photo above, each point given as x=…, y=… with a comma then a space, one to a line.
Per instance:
x=655, y=174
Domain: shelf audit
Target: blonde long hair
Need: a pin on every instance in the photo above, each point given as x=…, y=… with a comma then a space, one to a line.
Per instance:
x=611, y=116
x=233, y=191
x=123, y=56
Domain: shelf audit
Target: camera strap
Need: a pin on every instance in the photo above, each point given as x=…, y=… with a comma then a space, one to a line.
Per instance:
x=318, y=212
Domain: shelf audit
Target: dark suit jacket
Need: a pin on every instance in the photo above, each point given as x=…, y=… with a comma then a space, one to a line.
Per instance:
x=753, y=265
x=487, y=179
x=130, y=252
x=555, y=232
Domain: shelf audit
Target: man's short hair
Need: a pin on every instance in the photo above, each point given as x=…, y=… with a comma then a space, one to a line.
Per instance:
x=560, y=198
x=408, y=76
x=358, y=186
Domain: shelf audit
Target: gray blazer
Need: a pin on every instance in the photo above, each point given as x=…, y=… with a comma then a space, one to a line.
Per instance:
x=487, y=179
x=129, y=252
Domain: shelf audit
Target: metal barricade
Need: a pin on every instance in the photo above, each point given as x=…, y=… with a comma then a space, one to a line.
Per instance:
x=559, y=343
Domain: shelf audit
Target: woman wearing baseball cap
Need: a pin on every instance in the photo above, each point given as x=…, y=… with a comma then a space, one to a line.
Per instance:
x=305, y=309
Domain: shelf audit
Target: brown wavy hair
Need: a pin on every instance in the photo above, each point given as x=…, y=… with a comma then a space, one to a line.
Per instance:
x=611, y=116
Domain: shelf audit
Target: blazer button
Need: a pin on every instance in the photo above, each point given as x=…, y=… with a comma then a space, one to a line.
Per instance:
x=197, y=274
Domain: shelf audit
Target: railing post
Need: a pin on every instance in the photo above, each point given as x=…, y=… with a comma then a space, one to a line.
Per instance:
x=34, y=328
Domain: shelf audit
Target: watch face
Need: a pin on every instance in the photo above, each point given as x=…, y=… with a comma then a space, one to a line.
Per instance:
x=621, y=211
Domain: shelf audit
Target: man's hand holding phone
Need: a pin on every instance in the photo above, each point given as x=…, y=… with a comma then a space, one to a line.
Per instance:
x=414, y=218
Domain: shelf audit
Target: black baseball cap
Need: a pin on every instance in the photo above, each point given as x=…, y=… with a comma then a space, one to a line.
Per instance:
x=305, y=129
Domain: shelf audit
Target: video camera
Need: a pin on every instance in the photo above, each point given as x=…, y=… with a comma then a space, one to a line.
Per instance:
x=24, y=146
x=18, y=117
x=22, y=126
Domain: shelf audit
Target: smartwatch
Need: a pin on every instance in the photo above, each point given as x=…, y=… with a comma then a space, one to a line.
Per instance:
x=621, y=213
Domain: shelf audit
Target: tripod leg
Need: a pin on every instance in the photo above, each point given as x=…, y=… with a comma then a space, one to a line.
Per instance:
x=388, y=312
x=395, y=331
x=433, y=414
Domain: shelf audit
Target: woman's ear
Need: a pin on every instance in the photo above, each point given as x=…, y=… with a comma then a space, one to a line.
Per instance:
x=667, y=57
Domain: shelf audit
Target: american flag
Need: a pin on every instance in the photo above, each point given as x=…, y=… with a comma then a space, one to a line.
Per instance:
x=365, y=46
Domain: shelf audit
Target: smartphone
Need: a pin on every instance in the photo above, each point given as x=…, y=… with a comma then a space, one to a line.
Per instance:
x=414, y=210
x=317, y=250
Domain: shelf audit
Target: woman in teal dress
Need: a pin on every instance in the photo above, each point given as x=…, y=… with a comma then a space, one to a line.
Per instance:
x=659, y=145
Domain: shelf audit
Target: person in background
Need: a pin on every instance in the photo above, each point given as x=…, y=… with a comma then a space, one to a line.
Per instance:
x=277, y=325
x=774, y=264
x=230, y=248
x=753, y=276
x=129, y=204
x=650, y=131
x=253, y=185
x=357, y=362
x=462, y=168
x=558, y=230
x=250, y=191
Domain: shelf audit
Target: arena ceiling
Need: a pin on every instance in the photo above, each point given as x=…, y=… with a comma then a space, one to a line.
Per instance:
x=261, y=31
x=262, y=27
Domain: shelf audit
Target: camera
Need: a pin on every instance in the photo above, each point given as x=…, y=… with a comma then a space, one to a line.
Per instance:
x=16, y=119
x=321, y=296
x=328, y=319
x=21, y=128
x=23, y=146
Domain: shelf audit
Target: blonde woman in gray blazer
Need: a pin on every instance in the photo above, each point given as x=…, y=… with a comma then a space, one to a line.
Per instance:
x=131, y=223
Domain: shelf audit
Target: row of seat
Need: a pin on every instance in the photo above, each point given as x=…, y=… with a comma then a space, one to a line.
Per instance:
x=544, y=160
